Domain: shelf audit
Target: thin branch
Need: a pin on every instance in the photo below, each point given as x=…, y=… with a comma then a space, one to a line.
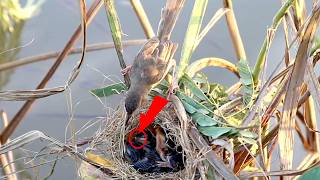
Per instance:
x=143, y=18
x=234, y=31
x=51, y=55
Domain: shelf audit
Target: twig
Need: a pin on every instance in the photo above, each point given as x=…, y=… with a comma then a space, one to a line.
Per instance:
x=7, y=159
x=234, y=31
x=50, y=55
x=143, y=18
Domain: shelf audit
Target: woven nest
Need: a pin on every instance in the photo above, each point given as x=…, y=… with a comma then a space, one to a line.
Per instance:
x=110, y=142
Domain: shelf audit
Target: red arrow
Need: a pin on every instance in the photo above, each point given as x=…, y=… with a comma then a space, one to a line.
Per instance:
x=157, y=105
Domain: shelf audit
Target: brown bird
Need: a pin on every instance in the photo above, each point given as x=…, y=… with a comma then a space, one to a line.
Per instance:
x=154, y=60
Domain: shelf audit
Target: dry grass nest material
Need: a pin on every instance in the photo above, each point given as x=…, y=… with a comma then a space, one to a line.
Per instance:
x=109, y=142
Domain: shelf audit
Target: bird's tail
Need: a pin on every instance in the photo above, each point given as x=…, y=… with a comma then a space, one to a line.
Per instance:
x=169, y=16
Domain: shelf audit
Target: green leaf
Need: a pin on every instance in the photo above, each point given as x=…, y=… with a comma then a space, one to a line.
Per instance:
x=217, y=94
x=192, y=34
x=196, y=91
x=200, y=78
x=203, y=120
x=248, y=134
x=193, y=102
x=246, y=80
x=311, y=174
x=189, y=108
x=254, y=148
x=109, y=90
x=214, y=132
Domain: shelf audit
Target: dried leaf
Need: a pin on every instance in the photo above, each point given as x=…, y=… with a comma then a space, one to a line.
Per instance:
x=287, y=122
x=103, y=162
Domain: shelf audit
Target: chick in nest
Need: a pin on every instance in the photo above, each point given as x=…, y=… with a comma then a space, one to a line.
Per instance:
x=158, y=155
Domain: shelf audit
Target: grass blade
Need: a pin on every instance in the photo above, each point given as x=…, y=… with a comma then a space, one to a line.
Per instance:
x=6, y=133
x=264, y=49
x=143, y=18
x=216, y=17
x=192, y=34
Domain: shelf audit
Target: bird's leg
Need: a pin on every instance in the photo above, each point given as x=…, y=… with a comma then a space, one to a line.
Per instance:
x=165, y=163
x=126, y=70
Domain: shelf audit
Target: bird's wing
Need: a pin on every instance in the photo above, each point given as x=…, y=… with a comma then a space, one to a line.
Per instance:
x=166, y=51
x=169, y=16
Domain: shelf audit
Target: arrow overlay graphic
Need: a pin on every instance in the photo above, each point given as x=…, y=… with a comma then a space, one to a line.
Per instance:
x=146, y=119
x=156, y=106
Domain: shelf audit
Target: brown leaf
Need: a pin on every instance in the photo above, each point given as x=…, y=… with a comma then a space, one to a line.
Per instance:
x=287, y=123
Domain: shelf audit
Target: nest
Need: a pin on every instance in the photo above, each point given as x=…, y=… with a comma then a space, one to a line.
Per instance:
x=110, y=143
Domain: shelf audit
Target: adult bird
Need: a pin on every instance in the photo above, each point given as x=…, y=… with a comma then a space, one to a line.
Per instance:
x=154, y=60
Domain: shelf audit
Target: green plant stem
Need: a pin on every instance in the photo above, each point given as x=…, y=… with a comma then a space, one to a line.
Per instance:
x=262, y=55
x=116, y=32
x=192, y=34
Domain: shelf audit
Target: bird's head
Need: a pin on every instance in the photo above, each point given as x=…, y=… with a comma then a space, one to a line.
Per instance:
x=132, y=102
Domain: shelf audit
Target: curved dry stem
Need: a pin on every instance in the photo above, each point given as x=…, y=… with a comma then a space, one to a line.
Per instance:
x=200, y=64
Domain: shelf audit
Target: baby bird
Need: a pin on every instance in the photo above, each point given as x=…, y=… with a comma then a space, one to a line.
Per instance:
x=167, y=151
x=160, y=154
x=161, y=146
x=154, y=60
